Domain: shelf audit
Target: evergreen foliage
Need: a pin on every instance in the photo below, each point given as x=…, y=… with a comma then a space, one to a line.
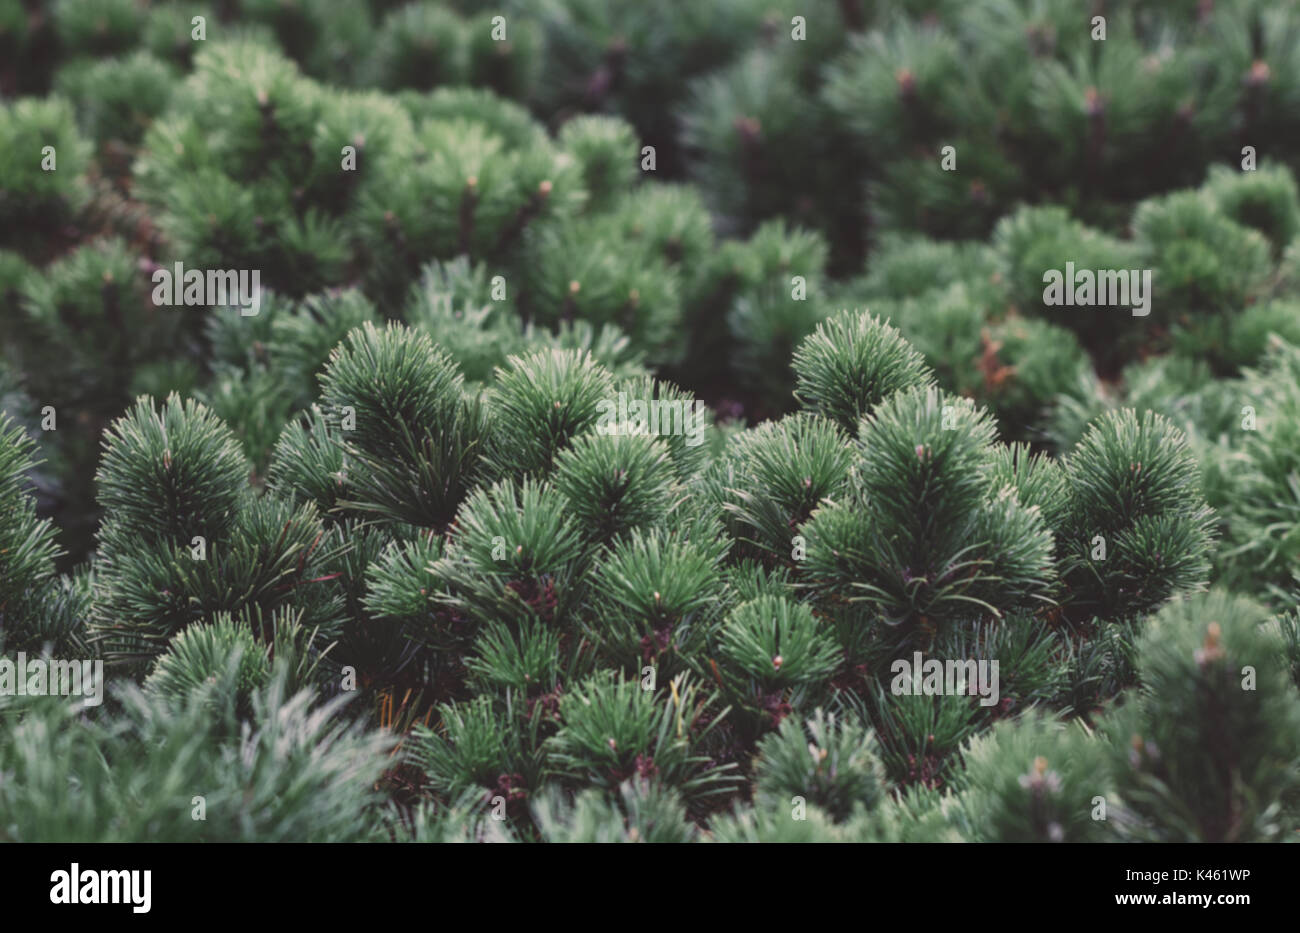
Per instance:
x=633, y=394
x=1197, y=657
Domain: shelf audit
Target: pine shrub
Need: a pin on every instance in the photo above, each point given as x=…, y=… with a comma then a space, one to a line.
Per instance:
x=631, y=397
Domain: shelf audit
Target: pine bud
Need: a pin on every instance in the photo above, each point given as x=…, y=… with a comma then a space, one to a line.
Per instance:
x=1093, y=103
x=906, y=82
x=1211, y=650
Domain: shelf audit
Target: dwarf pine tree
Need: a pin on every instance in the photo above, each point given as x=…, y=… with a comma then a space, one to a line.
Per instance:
x=651, y=424
x=27, y=555
x=1214, y=679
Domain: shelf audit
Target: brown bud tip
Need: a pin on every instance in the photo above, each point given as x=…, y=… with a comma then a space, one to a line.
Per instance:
x=262, y=97
x=471, y=182
x=657, y=597
x=777, y=662
x=1212, y=635
x=1259, y=73
x=906, y=82
x=359, y=140
x=574, y=287
x=544, y=188
x=920, y=452
x=613, y=744
x=1040, y=765
x=748, y=127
